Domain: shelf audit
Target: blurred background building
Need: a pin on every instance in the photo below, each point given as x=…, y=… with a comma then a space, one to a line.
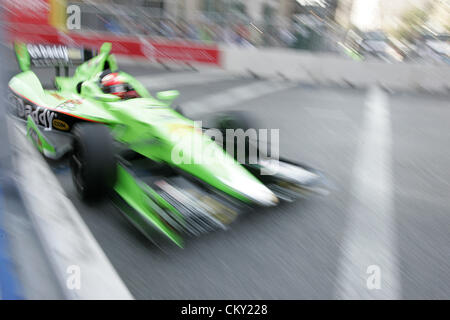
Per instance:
x=360, y=29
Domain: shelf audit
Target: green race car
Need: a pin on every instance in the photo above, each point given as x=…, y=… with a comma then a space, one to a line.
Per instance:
x=167, y=174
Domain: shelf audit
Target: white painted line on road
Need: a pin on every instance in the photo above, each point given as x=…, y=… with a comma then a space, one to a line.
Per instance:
x=235, y=96
x=172, y=80
x=369, y=238
x=66, y=238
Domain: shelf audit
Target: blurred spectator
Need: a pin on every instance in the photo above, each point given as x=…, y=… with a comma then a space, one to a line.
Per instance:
x=113, y=26
x=166, y=30
x=286, y=36
x=306, y=31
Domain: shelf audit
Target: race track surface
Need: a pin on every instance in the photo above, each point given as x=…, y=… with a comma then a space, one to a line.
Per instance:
x=387, y=157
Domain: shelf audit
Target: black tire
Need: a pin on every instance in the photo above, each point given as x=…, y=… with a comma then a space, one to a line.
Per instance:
x=179, y=109
x=236, y=120
x=233, y=120
x=93, y=162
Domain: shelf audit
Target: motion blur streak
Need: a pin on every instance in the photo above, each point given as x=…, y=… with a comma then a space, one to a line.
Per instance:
x=370, y=239
x=234, y=96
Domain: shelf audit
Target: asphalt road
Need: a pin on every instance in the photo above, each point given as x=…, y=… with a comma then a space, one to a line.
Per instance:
x=386, y=156
x=301, y=250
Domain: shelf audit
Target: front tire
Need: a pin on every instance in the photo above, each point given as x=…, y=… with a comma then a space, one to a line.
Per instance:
x=93, y=162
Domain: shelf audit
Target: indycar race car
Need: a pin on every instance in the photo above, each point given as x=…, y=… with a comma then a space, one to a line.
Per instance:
x=166, y=174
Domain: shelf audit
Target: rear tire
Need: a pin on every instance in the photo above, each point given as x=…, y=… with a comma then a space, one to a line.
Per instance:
x=93, y=162
x=233, y=120
x=179, y=109
x=236, y=120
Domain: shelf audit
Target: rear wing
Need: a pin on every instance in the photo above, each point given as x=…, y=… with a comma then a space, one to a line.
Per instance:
x=51, y=55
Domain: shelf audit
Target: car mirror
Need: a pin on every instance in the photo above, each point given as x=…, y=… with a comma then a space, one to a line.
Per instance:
x=106, y=47
x=167, y=96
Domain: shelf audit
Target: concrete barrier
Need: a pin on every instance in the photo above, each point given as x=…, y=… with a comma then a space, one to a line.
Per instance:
x=70, y=246
x=325, y=69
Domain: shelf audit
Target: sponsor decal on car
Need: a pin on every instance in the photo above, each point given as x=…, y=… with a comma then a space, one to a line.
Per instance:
x=40, y=115
x=182, y=127
x=57, y=96
x=45, y=55
x=40, y=51
x=43, y=117
x=70, y=104
x=60, y=125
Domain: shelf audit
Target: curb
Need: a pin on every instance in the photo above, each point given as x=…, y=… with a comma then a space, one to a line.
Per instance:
x=67, y=241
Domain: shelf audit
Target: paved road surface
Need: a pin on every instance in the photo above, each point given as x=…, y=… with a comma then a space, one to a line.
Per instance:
x=307, y=249
x=388, y=158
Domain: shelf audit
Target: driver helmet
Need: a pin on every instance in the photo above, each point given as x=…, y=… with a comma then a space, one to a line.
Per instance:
x=114, y=84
